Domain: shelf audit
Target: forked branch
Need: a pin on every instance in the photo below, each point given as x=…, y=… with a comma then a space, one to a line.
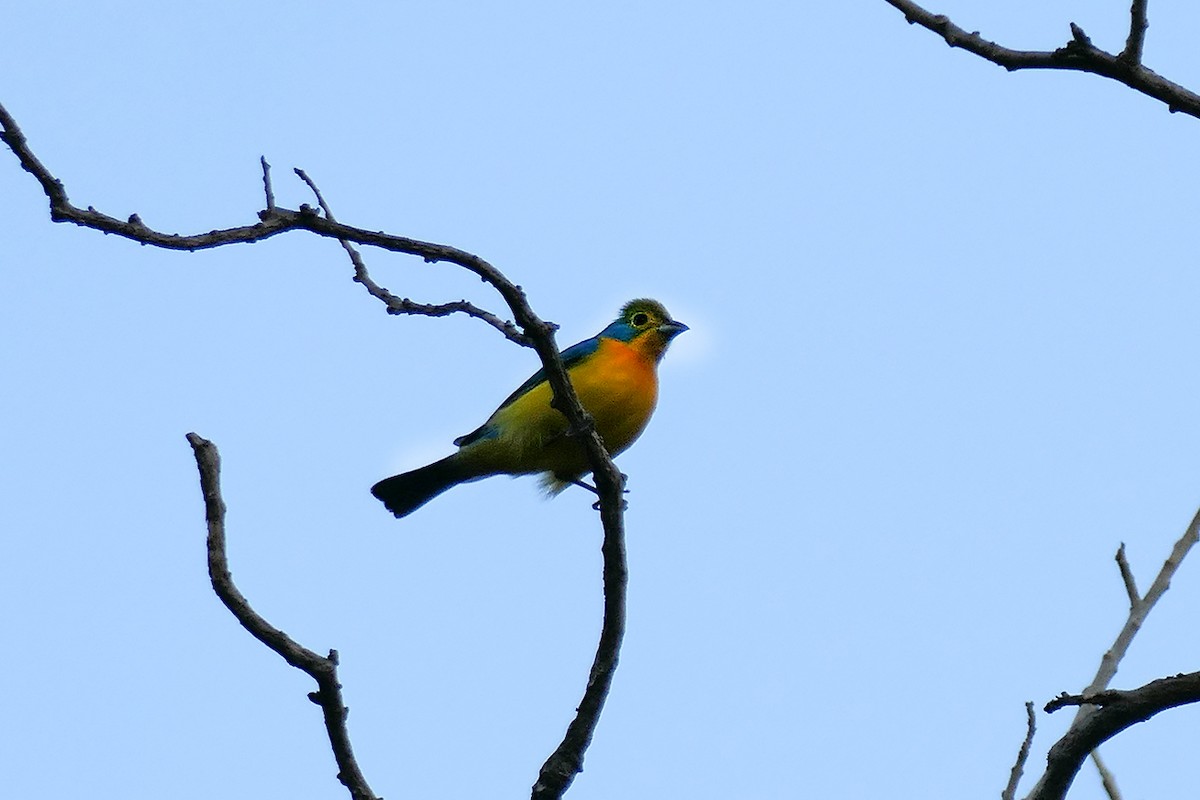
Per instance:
x=1113, y=711
x=1105, y=713
x=1078, y=54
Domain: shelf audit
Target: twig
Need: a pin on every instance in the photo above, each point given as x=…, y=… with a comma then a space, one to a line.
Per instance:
x=1107, y=779
x=1127, y=577
x=402, y=305
x=1157, y=695
x=1078, y=54
x=1014, y=776
x=321, y=669
x=266, y=171
x=1100, y=699
x=1137, y=33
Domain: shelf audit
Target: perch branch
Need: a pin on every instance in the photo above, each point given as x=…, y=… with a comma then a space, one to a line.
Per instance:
x=1078, y=54
x=322, y=669
x=567, y=760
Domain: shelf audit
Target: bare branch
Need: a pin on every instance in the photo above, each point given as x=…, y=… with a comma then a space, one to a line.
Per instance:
x=1137, y=614
x=1078, y=54
x=1082, y=55
x=1093, y=725
x=1106, y=777
x=322, y=669
x=560, y=769
x=1137, y=33
x=1014, y=777
x=1113, y=711
x=1127, y=577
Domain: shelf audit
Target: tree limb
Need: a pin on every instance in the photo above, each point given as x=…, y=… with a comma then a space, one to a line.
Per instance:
x=322, y=669
x=1113, y=711
x=1078, y=54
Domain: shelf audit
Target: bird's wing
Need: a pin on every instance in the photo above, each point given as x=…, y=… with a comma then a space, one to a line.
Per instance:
x=572, y=356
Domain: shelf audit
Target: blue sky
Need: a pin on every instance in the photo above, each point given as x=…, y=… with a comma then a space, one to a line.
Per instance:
x=942, y=362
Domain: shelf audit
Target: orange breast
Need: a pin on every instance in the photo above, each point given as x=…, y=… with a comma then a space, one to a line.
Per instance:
x=618, y=386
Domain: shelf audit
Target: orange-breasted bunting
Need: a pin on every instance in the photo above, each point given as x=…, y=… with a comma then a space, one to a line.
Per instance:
x=615, y=374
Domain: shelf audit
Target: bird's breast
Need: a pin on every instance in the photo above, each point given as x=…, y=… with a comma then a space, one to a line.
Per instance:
x=618, y=385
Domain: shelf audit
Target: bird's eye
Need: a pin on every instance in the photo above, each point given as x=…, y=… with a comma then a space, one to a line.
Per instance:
x=640, y=319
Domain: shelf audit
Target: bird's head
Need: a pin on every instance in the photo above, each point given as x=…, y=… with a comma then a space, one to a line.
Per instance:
x=645, y=324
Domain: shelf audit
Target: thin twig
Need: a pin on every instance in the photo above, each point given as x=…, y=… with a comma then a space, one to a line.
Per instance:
x=402, y=305
x=1107, y=779
x=1078, y=54
x=1137, y=33
x=270, y=192
x=322, y=669
x=1014, y=776
x=1127, y=577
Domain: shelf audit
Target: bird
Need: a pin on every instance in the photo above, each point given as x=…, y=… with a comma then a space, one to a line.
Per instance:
x=615, y=375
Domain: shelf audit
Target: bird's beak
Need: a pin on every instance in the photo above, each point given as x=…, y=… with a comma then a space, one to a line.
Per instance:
x=670, y=329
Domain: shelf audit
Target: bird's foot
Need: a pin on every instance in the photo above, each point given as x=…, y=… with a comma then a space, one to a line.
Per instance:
x=594, y=490
x=624, y=505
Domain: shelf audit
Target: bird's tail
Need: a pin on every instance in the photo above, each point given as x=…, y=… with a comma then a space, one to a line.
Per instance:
x=405, y=493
